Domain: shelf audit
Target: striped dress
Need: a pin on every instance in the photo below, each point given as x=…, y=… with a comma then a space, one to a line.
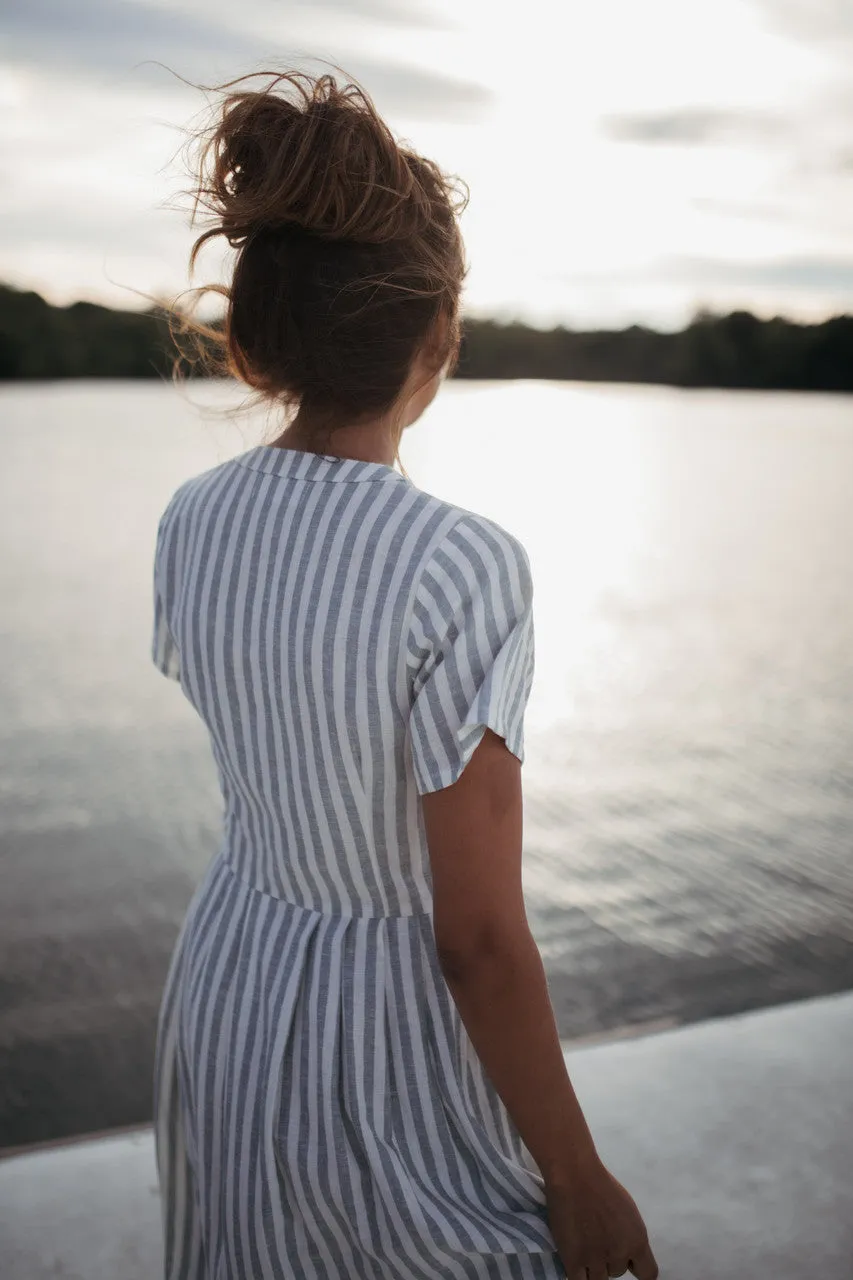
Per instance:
x=320, y=1111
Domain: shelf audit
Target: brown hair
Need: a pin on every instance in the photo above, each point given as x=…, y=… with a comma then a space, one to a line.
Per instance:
x=348, y=248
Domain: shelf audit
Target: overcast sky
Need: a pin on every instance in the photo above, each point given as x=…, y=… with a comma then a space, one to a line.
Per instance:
x=627, y=161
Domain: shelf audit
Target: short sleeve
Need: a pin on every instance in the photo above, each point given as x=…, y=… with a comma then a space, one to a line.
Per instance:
x=471, y=644
x=164, y=649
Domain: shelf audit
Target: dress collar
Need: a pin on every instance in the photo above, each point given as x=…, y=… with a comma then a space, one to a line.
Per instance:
x=298, y=464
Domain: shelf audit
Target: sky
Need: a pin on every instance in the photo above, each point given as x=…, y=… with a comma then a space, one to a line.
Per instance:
x=628, y=162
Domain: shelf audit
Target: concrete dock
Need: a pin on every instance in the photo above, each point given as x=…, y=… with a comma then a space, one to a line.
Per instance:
x=734, y=1136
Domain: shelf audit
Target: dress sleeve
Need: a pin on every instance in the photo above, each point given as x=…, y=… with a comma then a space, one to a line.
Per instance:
x=471, y=645
x=164, y=649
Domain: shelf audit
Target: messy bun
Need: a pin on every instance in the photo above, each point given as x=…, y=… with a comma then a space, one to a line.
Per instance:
x=348, y=248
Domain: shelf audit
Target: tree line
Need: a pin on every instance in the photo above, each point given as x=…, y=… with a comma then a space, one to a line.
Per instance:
x=738, y=350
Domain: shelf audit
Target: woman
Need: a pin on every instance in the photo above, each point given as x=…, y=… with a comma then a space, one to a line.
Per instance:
x=358, y=1070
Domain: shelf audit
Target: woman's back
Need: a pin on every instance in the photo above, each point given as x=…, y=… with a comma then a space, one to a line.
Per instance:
x=335, y=626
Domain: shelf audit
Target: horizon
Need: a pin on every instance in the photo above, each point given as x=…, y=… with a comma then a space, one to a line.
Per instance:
x=709, y=149
x=489, y=319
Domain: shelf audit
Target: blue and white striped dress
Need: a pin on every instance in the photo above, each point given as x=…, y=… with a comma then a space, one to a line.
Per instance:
x=320, y=1111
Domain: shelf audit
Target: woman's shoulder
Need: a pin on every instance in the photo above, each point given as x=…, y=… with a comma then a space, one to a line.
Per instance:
x=463, y=534
x=193, y=488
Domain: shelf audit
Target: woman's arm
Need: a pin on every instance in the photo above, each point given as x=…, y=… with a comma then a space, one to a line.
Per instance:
x=494, y=972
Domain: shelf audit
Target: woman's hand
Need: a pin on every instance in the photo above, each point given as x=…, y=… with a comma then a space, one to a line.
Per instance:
x=597, y=1227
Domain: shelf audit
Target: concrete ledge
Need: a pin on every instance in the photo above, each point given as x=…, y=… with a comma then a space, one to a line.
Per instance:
x=85, y=1211
x=735, y=1137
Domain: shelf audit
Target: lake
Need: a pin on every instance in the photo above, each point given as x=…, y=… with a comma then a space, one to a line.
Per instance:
x=688, y=846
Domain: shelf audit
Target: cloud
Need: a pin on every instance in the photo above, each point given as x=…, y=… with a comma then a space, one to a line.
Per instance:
x=695, y=126
x=755, y=211
x=115, y=37
x=113, y=231
x=832, y=276
x=408, y=13
x=815, y=22
x=99, y=34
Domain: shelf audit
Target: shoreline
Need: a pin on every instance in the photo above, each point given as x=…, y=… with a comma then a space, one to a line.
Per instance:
x=99, y=1085
x=685, y=1119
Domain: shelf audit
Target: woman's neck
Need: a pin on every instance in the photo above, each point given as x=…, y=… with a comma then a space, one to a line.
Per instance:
x=364, y=442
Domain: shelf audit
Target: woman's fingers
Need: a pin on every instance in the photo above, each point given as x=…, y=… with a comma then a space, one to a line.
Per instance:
x=582, y=1271
x=644, y=1266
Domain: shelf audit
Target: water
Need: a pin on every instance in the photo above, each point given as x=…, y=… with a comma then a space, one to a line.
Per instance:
x=689, y=771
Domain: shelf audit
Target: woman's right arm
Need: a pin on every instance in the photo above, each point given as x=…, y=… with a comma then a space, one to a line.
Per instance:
x=494, y=972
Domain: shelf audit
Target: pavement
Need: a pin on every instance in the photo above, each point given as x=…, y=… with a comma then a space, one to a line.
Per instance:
x=734, y=1136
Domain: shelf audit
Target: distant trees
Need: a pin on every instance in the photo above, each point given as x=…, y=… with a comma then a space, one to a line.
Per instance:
x=38, y=340
x=737, y=350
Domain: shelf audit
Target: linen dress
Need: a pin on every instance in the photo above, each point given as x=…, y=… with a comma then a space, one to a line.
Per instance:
x=320, y=1111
